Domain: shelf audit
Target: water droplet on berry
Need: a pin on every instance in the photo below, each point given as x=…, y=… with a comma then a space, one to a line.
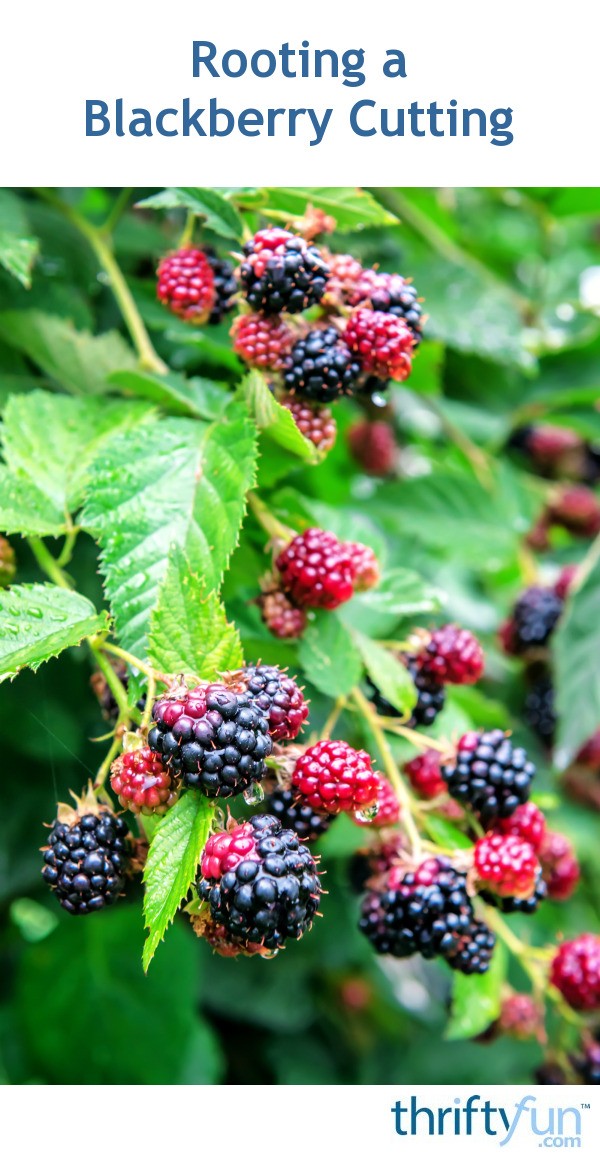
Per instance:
x=366, y=815
x=254, y=794
x=270, y=955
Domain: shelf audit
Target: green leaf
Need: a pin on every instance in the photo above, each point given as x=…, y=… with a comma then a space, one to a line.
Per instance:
x=476, y=1000
x=189, y=632
x=576, y=645
x=129, y=1028
x=197, y=396
x=25, y=510
x=352, y=208
x=329, y=655
x=273, y=419
x=401, y=593
x=219, y=214
x=174, y=483
x=17, y=255
x=38, y=621
x=444, y=833
x=388, y=674
x=78, y=361
x=51, y=440
x=173, y=859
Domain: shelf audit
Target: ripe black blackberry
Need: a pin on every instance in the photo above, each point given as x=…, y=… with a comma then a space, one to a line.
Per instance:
x=489, y=774
x=526, y=905
x=86, y=857
x=296, y=814
x=321, y=367
x=214, y=736
x=282, y=272
x=538, y=706
x=473, y=953
x=427, y=911
x=588, y=1065
x=278, y=696
x=534, y=618
x=260, y=882
x=430, y=701
x=226, y=286
x=392, y=294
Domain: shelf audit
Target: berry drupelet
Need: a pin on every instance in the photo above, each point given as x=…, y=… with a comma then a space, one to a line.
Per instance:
x=86, y=857
x=320, y=367
x=142, y=783
x=293, y=812
x=186, y=285
x=260, y=882
x=217, y=738
x=489, y=774
x=317, y=570
x=333, y=777
x=282, y=272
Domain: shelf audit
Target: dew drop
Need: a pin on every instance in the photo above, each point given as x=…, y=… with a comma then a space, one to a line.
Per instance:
x=254, y=794
x=366, y=815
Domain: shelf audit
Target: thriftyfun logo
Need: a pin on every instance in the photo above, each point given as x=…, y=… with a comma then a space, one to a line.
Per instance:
x=552, y=1127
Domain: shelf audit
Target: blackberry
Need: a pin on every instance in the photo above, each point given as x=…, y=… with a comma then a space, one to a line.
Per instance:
x=374, y=447
x=86, y=857
x=473, y=953
x=527, y=822
x=186, y=285
x=278, y=697
x=366, y=566
x=507, y=865
x=225, y=285
x=391, y=294
x=525, y=905
x=538, y=706
x=453, y=655
x=317, y=570
x=320, y=366
x=260, y=882
x=333, y=777
x=588, y=1065
x=142, y=783
x=550, y=1074
x=215, y=737
x=521, y=1017
x=384, y=344
x=430, y=701
x=577, y=509
x=489, y=774
x=428, y=911
x=316, y=423
x=282, y=272
x=575, y=971
x=262, y=342
x=280, y=616
x=424, y=774
x=293, y=812
x=560, y=866
x=534, y=618
x=8, y=563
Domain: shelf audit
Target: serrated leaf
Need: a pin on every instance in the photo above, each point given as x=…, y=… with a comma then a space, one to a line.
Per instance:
x=173, y=859
x=78, y=361
x=329, y=656
x=575, y=646
x=351, y=208
x=476, y=1000
x=401, y=593
x=174, y=483
x=24, y=510
x=387, y=673
x=220, y=215
x=51, y=440
x=177, y=394
x=17, y=255
x=189, y=632
x=38, y=621
x=273, y=418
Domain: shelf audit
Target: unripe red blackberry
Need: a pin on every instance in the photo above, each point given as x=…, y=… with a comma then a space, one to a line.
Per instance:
x=282, y=272
x=589, y=754
x=534, y=618
x=86, y=857
x=278, y=697
x=526, y=822
x=333, y=777
x=317, y=570
x=293, y=812
x=506, y=865
x=559, y=866
x=575, y=971
x=215, y=737
x=374, y=447
x=320, y=367
x=387, y=804
x=578, y=510
x=489, y=774
x=316, y=423
x=565, y=580
x=260, y=882
x=262, y=342
x=283, y=619
x=453, y=655
x=424, y=773
x=8, y=564
x=547, y=444
x=345, y=271
x=366, y=566
x=225, y=284
x=391, y=294
x=521, y=1017
x=382, y=343
x=186, y=285
x=142, y=783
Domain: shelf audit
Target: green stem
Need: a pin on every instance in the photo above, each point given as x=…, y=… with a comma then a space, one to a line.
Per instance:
x=188, y=231
x=406, y=801
x=133, y=661
x=48, y=564
x=104, y=768
x=112, y=679
x=268, y=522
x=119, y=206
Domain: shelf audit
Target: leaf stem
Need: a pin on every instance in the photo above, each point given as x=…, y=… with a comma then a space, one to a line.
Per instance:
x=188, y=230
x=133, y=661
x=404, y=796
x=48, y=564
x=112, y=679
x=268, y=522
